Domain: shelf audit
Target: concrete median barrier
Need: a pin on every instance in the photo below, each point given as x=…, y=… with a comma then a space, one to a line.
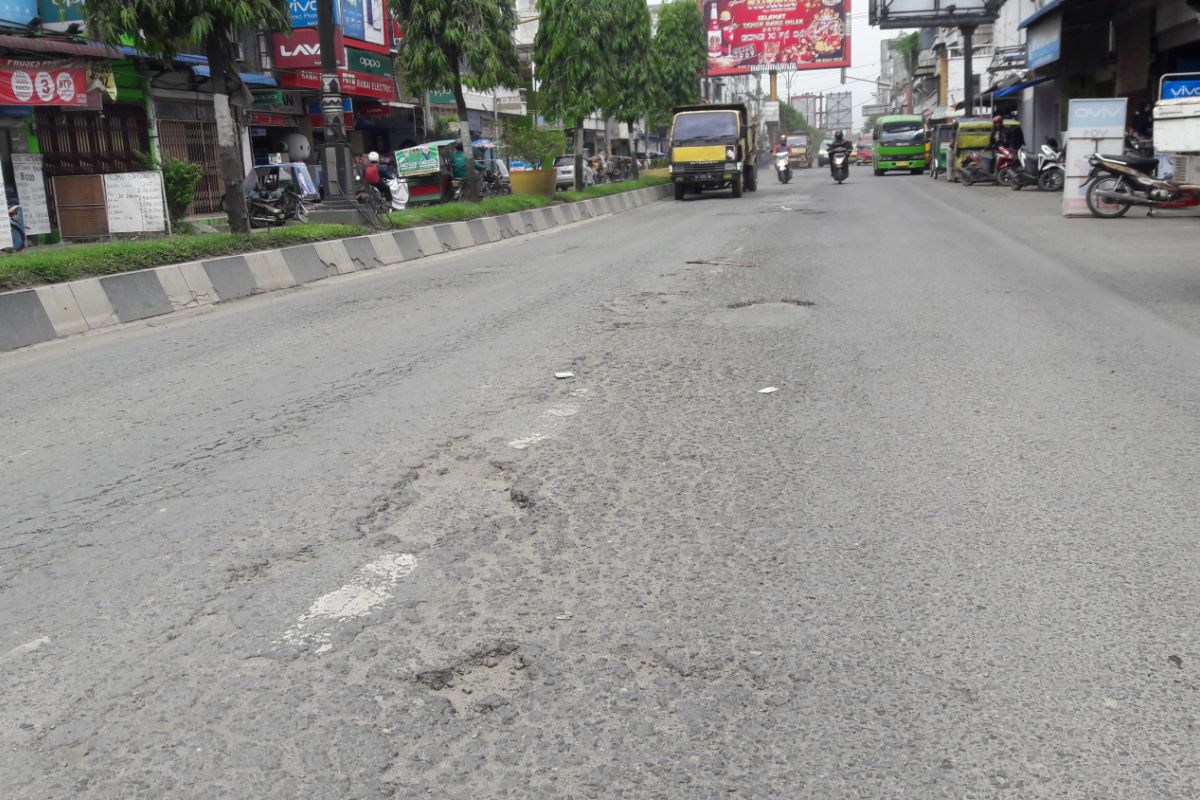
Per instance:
x=44, y=313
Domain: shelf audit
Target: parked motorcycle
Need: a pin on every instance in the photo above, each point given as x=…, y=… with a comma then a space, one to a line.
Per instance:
x=1045, y=171
x=840, y=161
x=783, y=170
x=984, y=167
x=1118, y=183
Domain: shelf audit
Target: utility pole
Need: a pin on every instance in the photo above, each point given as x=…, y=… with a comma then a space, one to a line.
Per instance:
x=968, y=34
x=338, y=176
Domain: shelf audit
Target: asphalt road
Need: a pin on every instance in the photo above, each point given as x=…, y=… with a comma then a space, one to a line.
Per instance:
x=357, y=541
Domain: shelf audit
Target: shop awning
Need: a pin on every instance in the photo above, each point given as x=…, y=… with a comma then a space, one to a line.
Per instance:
x=248, y=78
x=1050, y=7
x=59, y=47
x=1020, y=87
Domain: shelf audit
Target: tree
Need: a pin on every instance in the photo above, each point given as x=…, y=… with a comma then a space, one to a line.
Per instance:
x=572, y=62
x=629, y=92
x=457, y=43
x=165, y=28
x=678, y=58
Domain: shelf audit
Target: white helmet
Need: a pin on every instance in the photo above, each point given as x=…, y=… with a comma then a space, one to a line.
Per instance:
x=373, y=157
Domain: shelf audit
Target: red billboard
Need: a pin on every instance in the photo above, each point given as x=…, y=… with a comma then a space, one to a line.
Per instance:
x=301, y=48
x=764, y=35
x=42, y=83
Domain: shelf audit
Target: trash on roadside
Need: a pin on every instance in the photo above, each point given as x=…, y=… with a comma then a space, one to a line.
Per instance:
x=769, y=390
x=563, y=375
x=564, y=616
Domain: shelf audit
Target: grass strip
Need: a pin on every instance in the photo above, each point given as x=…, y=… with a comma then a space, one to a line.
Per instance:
x=460, y=211
x=68, y=262
x=606, y=189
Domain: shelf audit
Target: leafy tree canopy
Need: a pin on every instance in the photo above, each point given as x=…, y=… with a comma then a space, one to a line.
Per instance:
x=448, y=42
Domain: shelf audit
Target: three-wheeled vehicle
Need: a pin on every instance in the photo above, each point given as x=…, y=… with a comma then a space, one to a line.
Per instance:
x=428, y=169
x=970, y=133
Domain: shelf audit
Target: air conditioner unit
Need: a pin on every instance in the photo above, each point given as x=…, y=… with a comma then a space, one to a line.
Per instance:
x=397, y=42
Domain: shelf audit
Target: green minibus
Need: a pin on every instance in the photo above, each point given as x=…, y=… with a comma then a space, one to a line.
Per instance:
x=899, y=144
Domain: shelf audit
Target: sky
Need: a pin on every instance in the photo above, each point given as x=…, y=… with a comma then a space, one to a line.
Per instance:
x=864, y=58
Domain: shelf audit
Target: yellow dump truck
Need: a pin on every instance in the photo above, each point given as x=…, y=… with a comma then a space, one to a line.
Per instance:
x=713, y=147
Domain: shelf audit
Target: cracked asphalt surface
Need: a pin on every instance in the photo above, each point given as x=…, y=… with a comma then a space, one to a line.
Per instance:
x=356, y=541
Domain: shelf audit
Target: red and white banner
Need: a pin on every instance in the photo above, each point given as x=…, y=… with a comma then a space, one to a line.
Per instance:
x=42, y=83
x=764, y=35
x=302, y=48
x=352, y=83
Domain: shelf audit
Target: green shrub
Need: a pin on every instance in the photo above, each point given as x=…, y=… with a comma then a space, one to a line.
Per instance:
x=606, y=189
x=458, y=212
x=533, y=146
x=180, y=179
x=55, y=264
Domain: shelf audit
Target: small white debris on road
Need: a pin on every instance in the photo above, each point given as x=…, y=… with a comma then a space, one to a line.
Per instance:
x=564, y=375
x=769, y=390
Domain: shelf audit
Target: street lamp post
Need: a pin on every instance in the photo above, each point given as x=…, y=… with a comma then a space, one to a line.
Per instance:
x=338, y=176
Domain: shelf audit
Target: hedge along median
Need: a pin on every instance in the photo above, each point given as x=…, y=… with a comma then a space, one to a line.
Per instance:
x=112, y=296
x=68, y=262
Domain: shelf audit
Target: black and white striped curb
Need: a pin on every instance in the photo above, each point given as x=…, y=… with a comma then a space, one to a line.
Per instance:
x=30, y=316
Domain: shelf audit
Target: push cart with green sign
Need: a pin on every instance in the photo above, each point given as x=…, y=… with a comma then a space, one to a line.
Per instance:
x=427, y=169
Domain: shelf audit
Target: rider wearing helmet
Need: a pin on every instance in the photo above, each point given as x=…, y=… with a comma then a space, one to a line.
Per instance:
x=377, y=175
x=783, y=146
x=839, y=143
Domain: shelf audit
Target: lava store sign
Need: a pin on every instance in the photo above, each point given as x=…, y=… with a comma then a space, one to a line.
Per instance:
x=301, y=48
x=763, y=35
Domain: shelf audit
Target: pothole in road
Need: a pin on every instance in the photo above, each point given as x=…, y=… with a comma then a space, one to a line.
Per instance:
x=720, y=262
x=784, y=302
x=764, y=313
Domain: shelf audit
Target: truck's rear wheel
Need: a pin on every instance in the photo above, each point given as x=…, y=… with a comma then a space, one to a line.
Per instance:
x=736, y=185
x=680, y=189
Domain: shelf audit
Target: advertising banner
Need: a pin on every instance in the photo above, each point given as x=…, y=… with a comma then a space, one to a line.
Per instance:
x=1092, y=126
x=762, y=35
x=1044, y=42
x=6, y=240
x=31, y=191
x=52, y=11
x=420, y=160
x=352, y=83
x=42, y=83
x=364, y=20
x=304, y=13
x=301, y=49
x=368, y=63
x=1180, y=87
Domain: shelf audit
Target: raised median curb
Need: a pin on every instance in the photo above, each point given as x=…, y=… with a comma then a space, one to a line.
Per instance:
x=30, y=316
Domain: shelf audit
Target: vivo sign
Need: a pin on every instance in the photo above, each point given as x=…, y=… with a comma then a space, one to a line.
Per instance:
x=1096, y=119
x=1181, y=89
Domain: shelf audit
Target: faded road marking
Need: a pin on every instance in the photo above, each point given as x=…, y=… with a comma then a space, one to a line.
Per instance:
x=546, y=425
x=27, y=648
x=371, y=588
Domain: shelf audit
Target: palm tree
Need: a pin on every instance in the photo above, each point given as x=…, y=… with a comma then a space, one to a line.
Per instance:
x=164, y=28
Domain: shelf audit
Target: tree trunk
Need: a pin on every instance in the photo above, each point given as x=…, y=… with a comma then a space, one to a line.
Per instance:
x=579, y=155
x=464, y=135
x=228, y=131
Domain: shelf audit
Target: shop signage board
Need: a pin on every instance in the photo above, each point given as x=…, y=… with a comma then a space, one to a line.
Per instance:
x=269, y=119
x=368, y=63
x=746, y=37
x=302, y=48
x=770, y=111
x=1180, y=87
x=1044, y=42
x=441, y=98
x=31, y=191
x=134, y=202
x=364, y=20
x=420, y=160
x=1093, y=125
x=42, y=83
x=355, y=83
x=52, y=11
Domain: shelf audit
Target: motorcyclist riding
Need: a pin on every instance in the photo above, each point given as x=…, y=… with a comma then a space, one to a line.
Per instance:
x=783, y=146
x=841, y=144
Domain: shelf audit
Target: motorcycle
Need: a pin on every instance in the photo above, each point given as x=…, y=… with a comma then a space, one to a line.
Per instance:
x=782, y=168
x=271, y=209
x=1118, y=183
x=493, y=185
x=1047, y=171
x=840, y=161
x=984, y=167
